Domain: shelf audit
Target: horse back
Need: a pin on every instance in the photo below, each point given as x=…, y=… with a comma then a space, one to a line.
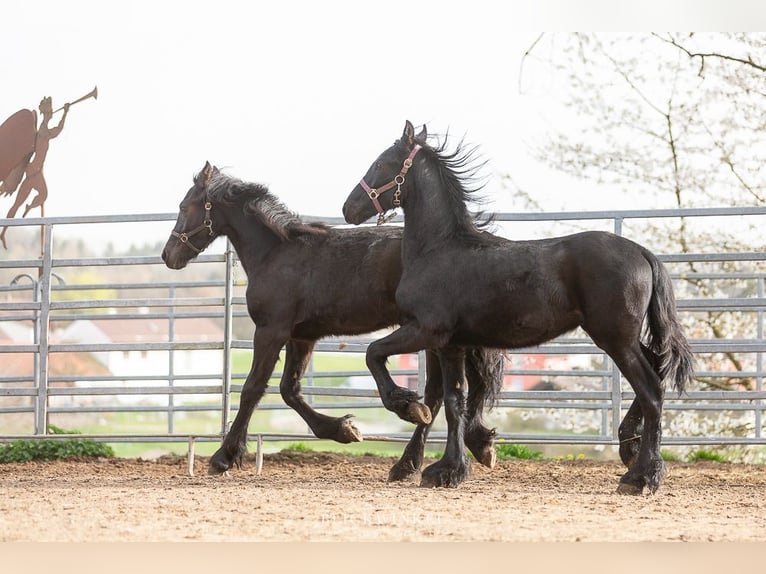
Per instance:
x=525, y=292
x=335, y=283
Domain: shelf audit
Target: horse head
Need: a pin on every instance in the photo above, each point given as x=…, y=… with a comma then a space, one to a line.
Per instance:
x=384, y=186
x=194, y=229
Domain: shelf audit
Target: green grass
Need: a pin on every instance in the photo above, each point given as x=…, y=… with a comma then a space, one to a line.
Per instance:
x=507, y=451
x=298, y=447
x=705, y=455
x=241, y=361
x=669, y=456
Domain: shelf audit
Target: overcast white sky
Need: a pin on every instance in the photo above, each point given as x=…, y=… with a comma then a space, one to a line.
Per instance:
x=299, y=95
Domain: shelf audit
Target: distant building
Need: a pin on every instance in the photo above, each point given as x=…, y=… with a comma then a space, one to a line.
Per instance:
x=149, y=362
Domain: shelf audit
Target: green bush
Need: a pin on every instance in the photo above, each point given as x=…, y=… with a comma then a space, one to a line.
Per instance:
x=53, y=449
x=508, y=450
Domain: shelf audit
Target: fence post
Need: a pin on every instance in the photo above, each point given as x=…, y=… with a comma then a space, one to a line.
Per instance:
x=44, y=283
x=227, y=336
x=421, y=373
x=759, y=364
x=171, y=359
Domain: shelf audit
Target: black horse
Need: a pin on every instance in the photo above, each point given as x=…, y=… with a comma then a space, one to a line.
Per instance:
x=307, y=281
x=463, y=286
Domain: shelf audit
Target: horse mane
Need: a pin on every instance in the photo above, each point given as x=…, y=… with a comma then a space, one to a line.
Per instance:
x=459, y=172
x=258, y=201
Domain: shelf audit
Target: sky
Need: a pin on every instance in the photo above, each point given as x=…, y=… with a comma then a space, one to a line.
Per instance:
x=298, y=95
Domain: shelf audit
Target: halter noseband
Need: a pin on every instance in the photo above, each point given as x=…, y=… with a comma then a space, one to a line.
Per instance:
x=207, y=223
x=398, y=181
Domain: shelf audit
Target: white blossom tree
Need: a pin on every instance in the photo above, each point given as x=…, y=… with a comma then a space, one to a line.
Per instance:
x=680, y=120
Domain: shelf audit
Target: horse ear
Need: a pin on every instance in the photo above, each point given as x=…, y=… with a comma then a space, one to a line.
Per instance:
x=207, y=172
x=423, y=135
x=408, y=135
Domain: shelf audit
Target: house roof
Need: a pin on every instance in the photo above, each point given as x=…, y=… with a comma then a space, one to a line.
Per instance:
x=59, y=365
x=156, y=330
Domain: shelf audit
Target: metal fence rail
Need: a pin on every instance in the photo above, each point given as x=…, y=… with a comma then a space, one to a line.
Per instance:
x=37, y=293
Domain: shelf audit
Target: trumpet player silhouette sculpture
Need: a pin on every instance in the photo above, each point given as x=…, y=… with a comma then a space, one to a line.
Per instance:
x=23, y=149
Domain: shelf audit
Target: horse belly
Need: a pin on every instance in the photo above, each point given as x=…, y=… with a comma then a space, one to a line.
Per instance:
x=517, y=310
x=506, y=328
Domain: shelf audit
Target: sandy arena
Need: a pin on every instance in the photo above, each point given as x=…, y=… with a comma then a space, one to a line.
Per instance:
x=308, y=496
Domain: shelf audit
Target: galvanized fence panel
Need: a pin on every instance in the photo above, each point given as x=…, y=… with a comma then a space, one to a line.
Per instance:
x=38, y=293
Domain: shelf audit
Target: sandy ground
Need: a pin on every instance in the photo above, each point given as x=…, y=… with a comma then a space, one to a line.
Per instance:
x=331, y=497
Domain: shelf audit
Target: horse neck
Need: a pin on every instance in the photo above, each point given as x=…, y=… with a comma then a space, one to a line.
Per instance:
x=430, y=220
x=251, y=239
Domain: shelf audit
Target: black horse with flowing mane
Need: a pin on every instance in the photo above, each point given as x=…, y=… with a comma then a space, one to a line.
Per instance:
x=463, y=286
x=307, y=281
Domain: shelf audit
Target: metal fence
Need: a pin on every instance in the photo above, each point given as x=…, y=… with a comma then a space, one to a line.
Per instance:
x=577, y=395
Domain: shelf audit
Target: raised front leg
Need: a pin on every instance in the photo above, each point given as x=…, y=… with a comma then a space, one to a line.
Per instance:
x=409, y=338
x=339, y=429
x=412, y=458
x=453, y=467
x=266, y=352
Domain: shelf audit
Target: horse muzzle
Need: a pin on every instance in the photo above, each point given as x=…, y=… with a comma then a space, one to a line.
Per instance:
x=173, y=258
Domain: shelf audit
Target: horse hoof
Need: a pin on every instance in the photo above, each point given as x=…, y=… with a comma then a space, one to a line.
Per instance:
x=216, y=468
x=488, y=457
x=220, y=463
x=629, y=489
x=347, y=432
x=418, y=413
x=442, y=475
x=443, y=480
x=401, y=471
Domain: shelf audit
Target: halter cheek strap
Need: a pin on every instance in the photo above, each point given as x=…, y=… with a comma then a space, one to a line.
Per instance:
x=183, y=237
x=398, y=181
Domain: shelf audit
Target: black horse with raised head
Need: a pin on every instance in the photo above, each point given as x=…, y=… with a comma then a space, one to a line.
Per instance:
x=463, y=286
x=307, y=281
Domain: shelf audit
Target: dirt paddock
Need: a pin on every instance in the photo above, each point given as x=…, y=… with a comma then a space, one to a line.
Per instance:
x=330, y=497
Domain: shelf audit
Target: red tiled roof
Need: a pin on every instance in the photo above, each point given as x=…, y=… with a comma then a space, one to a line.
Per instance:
x=156, y=330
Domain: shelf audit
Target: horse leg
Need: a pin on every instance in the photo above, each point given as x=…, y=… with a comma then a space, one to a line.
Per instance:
x=234, y=446
x=648, y=469
x=482, y=384
x=633, y=424
x=408, y=338
x=453, y=467
x=629, y=432
x=412, y=457
x=339, y=429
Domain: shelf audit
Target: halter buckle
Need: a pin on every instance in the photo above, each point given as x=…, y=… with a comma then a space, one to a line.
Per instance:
x=383, y=218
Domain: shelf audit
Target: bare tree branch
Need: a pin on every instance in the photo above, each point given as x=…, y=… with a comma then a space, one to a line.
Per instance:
x=524, y=57
x=702, y=55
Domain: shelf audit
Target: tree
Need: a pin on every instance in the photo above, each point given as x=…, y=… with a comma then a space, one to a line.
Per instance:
x=677, y=118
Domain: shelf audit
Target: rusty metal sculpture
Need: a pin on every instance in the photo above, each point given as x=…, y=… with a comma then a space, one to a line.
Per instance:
x=23, y=149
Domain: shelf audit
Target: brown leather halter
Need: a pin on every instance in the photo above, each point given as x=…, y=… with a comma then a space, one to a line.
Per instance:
x=398, y=181
x=207, y=223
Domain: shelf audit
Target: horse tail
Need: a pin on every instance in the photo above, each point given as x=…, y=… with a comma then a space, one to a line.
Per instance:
x=485, y=370
x=665, y=337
